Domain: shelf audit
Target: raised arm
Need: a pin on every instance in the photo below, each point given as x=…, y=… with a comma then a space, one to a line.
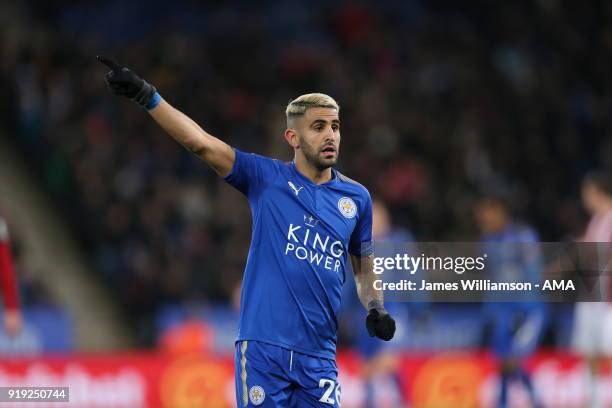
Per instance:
x=122, y=81
x=379, y=323
x=218, y=154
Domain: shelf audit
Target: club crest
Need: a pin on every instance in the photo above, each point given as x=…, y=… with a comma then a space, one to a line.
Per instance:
x=347, y=207
x=257, y=395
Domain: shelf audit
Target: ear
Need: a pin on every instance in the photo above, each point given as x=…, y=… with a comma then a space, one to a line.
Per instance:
x=292, y=138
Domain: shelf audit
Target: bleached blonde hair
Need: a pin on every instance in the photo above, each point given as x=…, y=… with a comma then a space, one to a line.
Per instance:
x=301, y=104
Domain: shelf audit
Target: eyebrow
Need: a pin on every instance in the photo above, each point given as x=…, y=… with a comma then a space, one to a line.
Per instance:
x=323, y=121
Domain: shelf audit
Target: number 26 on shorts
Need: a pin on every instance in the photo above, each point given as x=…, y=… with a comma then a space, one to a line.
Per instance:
x=330, y=388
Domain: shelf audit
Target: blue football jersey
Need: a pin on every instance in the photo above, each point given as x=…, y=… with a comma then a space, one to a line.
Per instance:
x=514, y=254
x=301, y=237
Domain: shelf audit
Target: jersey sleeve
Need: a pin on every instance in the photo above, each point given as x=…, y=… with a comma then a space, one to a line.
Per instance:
x=361, y=238
x=7, y=274
x=250, y=173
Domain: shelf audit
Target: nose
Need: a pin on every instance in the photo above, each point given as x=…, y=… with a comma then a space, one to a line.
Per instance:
x=330, y=135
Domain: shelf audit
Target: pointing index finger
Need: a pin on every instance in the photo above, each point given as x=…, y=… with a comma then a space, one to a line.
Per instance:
x=109, y=63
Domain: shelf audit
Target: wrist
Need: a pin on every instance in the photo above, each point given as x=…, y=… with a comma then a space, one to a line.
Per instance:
x=376, y=305
x=154, y=101
x=145, y=95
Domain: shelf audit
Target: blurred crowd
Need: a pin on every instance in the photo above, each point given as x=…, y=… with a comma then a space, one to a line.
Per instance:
x=440, y=101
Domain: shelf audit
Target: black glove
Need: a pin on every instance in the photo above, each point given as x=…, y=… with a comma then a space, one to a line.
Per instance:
x=122, y=81
x=379, y=322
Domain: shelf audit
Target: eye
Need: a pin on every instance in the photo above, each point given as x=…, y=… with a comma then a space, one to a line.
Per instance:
x=335, y=128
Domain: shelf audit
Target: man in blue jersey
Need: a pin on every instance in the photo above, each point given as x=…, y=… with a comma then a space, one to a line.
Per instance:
x=516, y=327
x=307, y=219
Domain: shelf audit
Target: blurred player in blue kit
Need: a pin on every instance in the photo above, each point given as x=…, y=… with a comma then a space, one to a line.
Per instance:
x=307, y=218
x=381, y=361
x=515, y=326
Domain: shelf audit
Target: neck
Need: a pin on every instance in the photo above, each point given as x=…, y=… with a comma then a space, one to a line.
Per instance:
x=501, y=226
x=312, y=173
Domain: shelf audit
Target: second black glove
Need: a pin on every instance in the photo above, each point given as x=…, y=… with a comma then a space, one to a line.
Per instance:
x=379, y=322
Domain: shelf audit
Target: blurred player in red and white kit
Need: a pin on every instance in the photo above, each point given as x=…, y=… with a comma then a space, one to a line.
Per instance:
x=592, y=334
x=8, y=283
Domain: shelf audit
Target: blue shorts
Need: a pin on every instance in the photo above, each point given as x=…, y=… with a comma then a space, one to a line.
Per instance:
x=273, y=376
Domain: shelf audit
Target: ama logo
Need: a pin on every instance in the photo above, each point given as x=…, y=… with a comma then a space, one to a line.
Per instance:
x=307, y=245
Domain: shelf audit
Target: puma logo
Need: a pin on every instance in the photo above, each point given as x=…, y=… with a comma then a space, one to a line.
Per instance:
x=295, y=189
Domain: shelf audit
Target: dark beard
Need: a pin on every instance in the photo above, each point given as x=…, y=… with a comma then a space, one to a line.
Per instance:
x=313, y=157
